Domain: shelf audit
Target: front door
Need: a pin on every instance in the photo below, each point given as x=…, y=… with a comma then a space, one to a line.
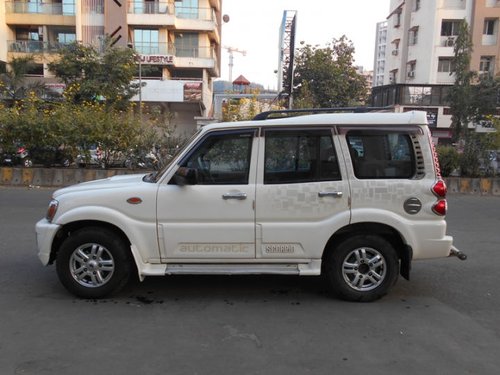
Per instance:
x=213, y=217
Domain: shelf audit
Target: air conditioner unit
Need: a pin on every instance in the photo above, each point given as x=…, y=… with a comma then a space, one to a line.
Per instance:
x=450, y=42
x=411, y=74
x=395, y=52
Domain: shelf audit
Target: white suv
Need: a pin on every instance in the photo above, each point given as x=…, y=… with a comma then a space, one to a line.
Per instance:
x=356, y=197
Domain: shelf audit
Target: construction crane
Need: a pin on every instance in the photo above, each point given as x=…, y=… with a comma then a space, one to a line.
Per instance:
x=231, y=50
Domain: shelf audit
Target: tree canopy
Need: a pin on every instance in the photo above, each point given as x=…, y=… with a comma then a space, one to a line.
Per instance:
x=326, y=77
x=91, y=74
x=13, y=83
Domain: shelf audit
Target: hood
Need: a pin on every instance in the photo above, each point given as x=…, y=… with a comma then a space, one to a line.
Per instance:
x=106, y=183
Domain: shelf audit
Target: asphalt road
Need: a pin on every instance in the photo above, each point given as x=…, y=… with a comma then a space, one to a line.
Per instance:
x=446, y=320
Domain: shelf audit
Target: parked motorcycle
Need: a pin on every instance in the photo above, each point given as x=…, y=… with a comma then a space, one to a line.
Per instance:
x=46, y=156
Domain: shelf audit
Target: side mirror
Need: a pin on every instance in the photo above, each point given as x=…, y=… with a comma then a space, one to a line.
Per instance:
x=186, y=176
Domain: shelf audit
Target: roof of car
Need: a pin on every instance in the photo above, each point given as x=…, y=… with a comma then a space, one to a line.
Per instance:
x=371, y=118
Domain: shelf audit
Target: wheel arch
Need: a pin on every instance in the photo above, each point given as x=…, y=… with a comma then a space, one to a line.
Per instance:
x=389, y=233
x=66, y=230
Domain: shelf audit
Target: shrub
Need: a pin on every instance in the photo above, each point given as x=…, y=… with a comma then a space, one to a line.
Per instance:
x=448, y=159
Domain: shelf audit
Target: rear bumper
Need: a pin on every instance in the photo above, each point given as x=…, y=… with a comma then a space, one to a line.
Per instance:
x=45, y=233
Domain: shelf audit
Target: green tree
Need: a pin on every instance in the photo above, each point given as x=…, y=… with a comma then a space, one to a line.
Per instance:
x=14, y=85
x=91, y=74
x=461, y=93
x=326, y=77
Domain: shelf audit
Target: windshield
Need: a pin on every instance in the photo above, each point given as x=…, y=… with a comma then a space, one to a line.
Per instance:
x=156, y=176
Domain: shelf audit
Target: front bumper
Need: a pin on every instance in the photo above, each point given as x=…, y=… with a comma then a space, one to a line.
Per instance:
x=45, y=233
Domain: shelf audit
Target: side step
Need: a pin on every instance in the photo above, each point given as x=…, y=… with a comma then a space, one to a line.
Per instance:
x=232, y=269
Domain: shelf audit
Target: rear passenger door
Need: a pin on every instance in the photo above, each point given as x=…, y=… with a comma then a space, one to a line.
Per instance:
x=301, y=197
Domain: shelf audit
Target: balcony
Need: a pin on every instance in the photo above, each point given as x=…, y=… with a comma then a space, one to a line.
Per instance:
x=33, y=46
x=40, y=13
x=452, y=4
x=65, y=8
x=169, y=54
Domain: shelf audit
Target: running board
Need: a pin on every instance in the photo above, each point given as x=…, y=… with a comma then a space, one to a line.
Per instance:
x=312, y=268
x=232, y=269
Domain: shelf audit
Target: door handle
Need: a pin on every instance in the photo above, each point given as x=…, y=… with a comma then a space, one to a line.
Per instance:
x=334, y=194
x=239, y=196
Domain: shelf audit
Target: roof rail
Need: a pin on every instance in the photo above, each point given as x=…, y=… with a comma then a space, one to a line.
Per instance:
x=309, y=111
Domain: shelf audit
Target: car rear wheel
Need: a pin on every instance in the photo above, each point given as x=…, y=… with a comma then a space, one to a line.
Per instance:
x=362, y=268
x=93, y=263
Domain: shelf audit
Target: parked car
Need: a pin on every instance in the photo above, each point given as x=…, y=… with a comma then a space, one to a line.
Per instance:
x=356, y=197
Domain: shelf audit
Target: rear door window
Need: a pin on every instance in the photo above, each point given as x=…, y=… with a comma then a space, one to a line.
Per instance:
x=300, y=156
x=377, y=155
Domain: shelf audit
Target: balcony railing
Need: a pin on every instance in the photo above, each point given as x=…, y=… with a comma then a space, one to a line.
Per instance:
x=34, y=46
x=66, y=8
x=170, y=49
x=163, y=7
x=149, y=7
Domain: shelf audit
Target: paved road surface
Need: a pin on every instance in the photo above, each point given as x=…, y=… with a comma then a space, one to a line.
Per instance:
x=445, y=321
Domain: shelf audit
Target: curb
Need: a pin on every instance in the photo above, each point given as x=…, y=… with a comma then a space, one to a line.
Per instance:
x=55, y=177
x=59, y=177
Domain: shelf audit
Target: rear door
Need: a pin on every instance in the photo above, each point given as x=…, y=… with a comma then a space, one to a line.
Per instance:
x=302, y=196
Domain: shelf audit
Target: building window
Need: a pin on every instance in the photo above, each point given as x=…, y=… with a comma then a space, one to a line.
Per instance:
x=393, y=76
x=395, y=43
x=186, y=9
x=411, y=68
x=146, y=41
x=490, y=26
x=446, y=65
x=186, y=45
x=450, y=27
x=486, y=65
x=397, y=18
x=413, y=36
x=66, y=38
x=35, y=70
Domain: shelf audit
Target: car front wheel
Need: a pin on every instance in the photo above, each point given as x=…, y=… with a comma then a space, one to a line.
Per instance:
x=93, y=263
x=362, y=268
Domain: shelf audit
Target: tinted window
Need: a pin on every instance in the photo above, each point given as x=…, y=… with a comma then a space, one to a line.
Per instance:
x=300, y=156
x=381, y=155
x=222, y=159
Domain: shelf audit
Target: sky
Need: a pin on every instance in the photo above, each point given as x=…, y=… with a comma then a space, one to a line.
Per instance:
x=254, y=27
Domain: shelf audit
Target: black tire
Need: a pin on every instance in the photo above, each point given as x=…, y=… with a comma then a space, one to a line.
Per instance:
x=93, y=263
x=362, y=268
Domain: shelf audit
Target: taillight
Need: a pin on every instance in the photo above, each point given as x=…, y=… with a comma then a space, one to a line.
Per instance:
x=439, y=189
x=440, y=207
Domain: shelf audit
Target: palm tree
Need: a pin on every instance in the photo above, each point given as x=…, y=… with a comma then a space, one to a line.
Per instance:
x=13, y=84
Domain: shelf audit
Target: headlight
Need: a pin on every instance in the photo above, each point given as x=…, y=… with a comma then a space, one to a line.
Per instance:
x=51, y=211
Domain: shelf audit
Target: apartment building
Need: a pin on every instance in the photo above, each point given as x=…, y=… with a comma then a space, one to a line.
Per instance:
x=418, y=59
x=485, y=37
x=177, y=43
x=380, y=54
